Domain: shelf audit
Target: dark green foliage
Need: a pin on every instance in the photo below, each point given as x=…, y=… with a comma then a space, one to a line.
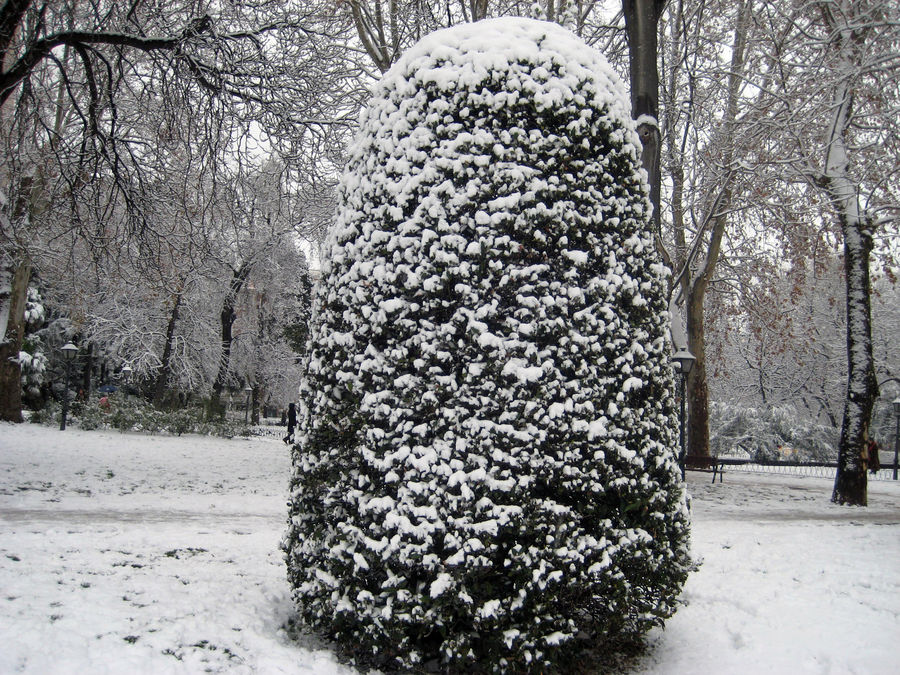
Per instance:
x=485, y=477
x=136, y=414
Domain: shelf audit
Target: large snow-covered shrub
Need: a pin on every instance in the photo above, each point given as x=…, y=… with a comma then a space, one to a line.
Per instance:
x=485, y=475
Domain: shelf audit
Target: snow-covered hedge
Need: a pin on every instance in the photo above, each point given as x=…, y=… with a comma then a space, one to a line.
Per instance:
x=780, y=433
x=134, y=414
x=33, y=361
x=485, y=477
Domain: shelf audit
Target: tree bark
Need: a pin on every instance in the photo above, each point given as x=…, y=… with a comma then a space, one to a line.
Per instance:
x=17, y=272
x=226, y=318
x=697, y=388
x=11, y=345
x=851, y=480
x=848, y=43
x=641, y=21
x=254, y=410
x=165, y=369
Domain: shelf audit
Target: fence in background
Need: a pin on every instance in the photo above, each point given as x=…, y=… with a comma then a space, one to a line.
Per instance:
x=272, y=430
x=269, y=431
x=818, y=469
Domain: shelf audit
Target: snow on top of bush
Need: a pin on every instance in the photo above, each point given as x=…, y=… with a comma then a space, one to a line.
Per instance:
x=545, y=63
x=467, y=55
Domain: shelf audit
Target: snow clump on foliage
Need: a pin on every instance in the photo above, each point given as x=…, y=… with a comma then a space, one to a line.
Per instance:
x=485, y=477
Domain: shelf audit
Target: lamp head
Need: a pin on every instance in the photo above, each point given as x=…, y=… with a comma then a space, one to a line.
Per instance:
x=69, y=351
x=685, y=360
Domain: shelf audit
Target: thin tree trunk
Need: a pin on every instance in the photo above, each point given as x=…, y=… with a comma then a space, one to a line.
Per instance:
x=695, y=289
x=850, y=482
x=226, y=318
x=165, y=369
x=11, y=344
x=697, y=389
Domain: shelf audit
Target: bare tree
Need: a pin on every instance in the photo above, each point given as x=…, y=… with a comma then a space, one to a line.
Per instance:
x=385, y=28
x=273, y=310
x=839, y=138
x=781, y=334
x=260, y=218
x=704, y=131
x=851, y=29
x=76, y=76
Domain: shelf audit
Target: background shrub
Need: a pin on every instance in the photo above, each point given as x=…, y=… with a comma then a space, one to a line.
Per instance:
x=780, y=433
x=138, y=415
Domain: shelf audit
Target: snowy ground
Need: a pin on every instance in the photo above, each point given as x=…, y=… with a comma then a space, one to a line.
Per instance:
x=151, y=554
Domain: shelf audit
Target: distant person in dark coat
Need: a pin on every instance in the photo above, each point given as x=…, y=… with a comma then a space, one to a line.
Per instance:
x=874, y=459
x=291, y=423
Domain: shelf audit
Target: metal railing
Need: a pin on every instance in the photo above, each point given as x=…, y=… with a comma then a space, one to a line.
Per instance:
x=267, y=431
x=817, y=469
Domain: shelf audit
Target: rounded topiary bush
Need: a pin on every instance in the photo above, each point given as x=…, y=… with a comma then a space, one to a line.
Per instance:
x=485, y=477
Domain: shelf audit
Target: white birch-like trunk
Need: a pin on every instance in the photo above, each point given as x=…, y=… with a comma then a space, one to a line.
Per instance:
x=5, y=295
x=850, y=484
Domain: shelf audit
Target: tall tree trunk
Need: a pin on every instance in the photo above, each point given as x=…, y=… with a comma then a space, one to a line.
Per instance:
x=641, y=25
x=696, y=276
x=850, y=482
x=19, y=274
x=165, y=369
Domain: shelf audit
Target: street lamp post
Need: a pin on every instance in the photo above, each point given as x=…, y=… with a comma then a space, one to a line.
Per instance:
x=685, y=361
x=69, y=351
x=896, y=434
x=249, y=390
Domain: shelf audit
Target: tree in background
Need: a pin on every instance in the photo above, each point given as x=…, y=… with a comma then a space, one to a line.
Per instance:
x=77, y=76
x=258, y=218
x=386, y=28
x=273, y=318
x=839, y=139
x=703, y=160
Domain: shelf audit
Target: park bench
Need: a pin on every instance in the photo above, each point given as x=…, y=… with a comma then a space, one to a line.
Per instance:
x=706, y=464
